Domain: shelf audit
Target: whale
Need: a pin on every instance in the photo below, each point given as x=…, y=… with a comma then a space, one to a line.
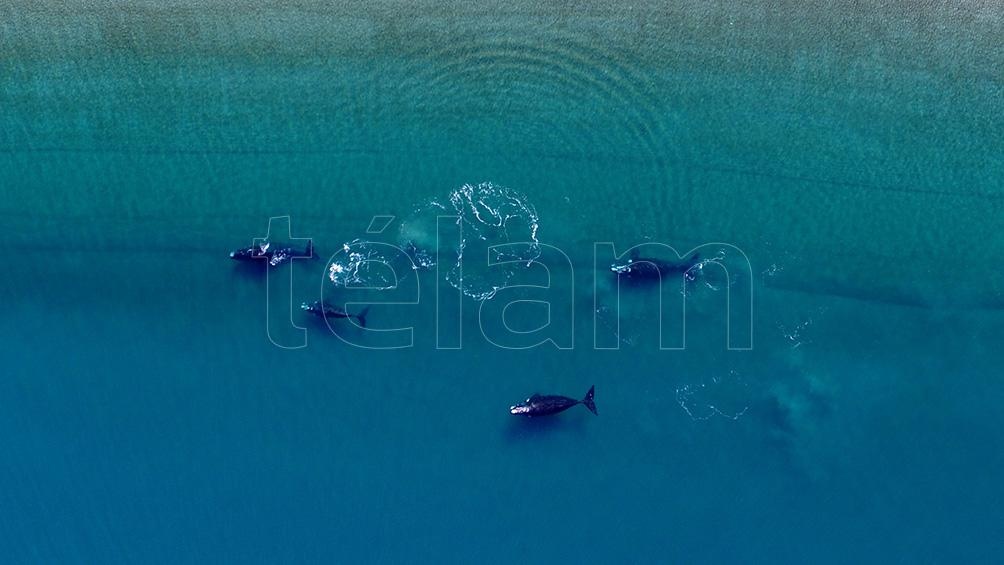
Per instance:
x=274, y=255
x=547, y=405
x=325, y=310
x=650, y=269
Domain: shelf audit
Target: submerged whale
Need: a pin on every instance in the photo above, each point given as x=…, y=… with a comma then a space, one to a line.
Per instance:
x=649, y=269
x=325, y=310
x=420, y=258
x=275, y=256
x=545, y=405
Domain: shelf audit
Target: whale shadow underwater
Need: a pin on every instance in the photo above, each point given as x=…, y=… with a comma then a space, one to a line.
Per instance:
x=518, y=430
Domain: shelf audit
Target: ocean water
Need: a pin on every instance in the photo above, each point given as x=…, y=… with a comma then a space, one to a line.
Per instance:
x=845, y=164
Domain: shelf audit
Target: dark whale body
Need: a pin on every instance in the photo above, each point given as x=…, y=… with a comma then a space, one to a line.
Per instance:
x=546, y=405
x=649, y=269
x=274, y=256
x=325, y=310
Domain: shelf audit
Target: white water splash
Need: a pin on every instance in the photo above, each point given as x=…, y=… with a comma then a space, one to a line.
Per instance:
x=489, y=216
x=365, y=264
x=721, y=397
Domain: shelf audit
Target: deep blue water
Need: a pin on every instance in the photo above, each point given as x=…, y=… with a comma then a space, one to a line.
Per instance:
x=852, y=154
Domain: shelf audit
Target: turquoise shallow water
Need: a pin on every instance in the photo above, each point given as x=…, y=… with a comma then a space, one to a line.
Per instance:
x=853, y=153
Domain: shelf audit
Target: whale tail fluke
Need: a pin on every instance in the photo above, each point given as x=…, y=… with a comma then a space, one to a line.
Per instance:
x=588, y=401
x=361, y=316
x=695, y=258
x=309, y=251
